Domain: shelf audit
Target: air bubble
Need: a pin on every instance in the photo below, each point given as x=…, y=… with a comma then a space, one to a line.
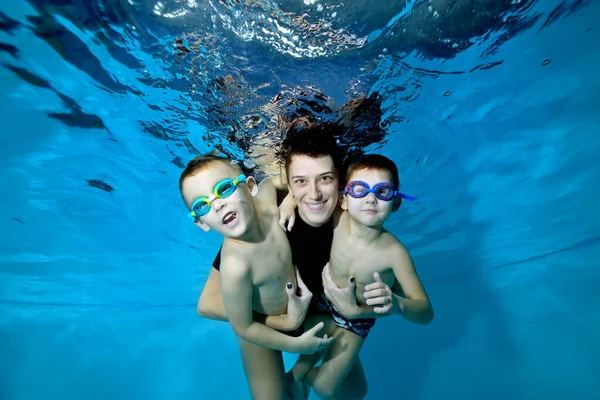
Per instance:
x=159, y=8
x=546, y=62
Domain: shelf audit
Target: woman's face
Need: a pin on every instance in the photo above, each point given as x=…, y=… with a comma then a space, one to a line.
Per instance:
x=313, y=182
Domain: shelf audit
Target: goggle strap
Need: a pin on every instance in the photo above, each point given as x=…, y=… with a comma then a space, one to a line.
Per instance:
x=405, y=196
x=241, y=178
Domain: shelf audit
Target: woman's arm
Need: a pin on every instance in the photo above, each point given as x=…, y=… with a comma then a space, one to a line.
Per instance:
x=210, y=304
x=237, y=292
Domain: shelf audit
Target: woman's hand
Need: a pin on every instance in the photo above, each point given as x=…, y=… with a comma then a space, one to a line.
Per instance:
x=298, y=302
x=344, y=300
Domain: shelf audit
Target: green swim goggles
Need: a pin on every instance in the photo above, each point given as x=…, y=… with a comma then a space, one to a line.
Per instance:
x=223, y=189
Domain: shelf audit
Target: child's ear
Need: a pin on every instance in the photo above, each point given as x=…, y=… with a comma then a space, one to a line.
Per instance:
x=201, y=225
x=343, y=202
x=252, y=186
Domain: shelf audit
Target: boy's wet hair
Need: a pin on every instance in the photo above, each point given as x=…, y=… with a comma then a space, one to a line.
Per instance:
x=313, y=139
x=203, y=162
x=375, y=162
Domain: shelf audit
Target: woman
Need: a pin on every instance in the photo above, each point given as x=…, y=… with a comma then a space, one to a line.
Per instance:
x=312, y=165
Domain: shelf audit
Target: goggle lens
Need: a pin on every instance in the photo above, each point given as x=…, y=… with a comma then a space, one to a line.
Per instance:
x=201, y=207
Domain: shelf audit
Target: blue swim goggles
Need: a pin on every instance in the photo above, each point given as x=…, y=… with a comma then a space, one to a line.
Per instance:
x=223, y=189
x=383, y=191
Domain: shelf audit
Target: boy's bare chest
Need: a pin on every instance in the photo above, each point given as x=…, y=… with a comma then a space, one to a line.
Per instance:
x=357, y=259
x=272, y=269
x=271, y=259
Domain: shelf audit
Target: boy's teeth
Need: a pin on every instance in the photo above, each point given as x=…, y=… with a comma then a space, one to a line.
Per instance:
x=315, y=205
x=229, y=217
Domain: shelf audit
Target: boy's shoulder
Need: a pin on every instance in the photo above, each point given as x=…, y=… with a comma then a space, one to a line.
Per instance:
x=266, y=198
x=392, y=244
x=233, y=260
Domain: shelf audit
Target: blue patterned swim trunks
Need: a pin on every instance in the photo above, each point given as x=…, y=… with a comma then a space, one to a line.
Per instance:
x=359, y=326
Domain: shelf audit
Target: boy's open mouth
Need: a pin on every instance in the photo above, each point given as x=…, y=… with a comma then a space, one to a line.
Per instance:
x=230, y=218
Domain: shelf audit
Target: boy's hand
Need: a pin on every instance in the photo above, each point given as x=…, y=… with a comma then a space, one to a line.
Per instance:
x=298, y=301
x=344, y=300
x=287, y=213
x=379, y=295
x=310, y=343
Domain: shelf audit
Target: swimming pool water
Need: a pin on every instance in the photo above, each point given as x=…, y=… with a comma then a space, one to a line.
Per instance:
x=494, y=126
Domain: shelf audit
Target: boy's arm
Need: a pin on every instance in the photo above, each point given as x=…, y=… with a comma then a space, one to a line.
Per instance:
x=276, y=182
x=287, y=212
x=210, y=305
x=414, y=304
x=287, y=207
x=271, y=191
x=236, y=287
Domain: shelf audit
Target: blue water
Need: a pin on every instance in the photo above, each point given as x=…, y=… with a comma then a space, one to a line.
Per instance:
x=494, y=124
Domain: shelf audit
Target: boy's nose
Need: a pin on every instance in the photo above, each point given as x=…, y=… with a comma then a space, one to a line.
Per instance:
x=371, y=199
x=218, y=204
